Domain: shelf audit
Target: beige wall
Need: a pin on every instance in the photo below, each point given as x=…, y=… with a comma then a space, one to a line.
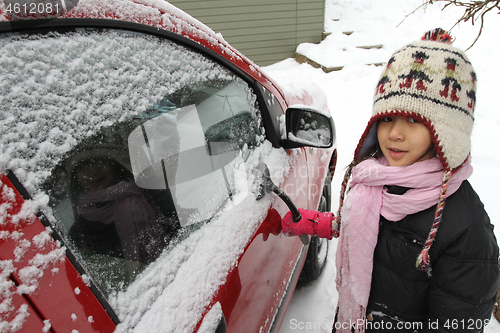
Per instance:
x=266, y=31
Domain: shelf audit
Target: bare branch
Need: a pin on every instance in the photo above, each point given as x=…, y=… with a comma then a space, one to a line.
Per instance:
x=473, y=10
x=413, y=12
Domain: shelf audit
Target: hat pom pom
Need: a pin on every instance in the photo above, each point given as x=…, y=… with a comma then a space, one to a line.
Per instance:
x=438, y=35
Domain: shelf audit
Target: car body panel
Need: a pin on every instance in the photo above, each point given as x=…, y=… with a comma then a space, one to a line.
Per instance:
x=251, y=294
x=27, y=318
x=48, y=280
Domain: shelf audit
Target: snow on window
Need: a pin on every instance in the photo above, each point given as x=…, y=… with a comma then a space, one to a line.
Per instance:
x=57, y=89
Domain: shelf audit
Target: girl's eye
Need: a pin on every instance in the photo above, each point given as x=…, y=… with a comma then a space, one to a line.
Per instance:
x=386, y=119
x=411, y=120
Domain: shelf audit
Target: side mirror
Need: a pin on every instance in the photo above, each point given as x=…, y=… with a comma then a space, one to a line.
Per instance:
x=307, y=127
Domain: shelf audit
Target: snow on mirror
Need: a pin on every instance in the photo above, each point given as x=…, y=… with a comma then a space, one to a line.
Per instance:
x=135, y=142
x=309, y=127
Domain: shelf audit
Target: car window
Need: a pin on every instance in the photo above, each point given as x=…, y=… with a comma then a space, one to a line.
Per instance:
x=134, y=142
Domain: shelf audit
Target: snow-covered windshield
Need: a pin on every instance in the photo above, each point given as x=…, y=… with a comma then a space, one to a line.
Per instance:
x=134, y=142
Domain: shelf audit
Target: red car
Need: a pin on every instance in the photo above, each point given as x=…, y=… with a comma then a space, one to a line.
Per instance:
x=134, y=144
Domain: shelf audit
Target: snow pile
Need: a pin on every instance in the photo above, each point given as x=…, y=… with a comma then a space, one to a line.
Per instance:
x=344, y=51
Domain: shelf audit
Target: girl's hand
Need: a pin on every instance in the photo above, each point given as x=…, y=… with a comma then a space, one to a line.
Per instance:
x=312, y=223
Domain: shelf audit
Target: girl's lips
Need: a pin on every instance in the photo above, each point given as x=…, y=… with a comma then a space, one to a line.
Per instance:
x=396, y=154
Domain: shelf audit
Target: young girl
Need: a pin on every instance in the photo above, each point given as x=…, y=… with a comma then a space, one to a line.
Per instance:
x=406, y=262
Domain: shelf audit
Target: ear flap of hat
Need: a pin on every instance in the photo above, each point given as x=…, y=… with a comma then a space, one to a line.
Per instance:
x=370, y=140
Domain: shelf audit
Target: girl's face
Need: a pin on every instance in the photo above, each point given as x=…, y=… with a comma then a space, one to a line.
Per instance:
x=403, y=140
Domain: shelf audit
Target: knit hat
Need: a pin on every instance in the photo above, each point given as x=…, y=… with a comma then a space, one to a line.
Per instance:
x=434, y=83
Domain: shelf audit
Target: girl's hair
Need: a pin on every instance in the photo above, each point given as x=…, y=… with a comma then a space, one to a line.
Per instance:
x=373, y=151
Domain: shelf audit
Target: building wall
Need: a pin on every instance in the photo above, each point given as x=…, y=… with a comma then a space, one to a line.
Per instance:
x=266, y=31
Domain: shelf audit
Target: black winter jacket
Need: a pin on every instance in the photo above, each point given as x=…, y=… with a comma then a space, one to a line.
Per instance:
x=460, y=294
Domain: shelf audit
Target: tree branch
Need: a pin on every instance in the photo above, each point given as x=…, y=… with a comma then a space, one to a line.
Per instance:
x=473, y=10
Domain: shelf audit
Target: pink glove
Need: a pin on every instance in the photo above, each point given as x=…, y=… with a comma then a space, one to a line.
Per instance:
x=312, y=223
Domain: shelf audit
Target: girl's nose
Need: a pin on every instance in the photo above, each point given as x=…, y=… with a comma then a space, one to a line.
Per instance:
x=396, y=132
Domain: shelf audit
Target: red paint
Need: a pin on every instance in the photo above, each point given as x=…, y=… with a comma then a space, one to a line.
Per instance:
x=255, y=288
x=55, y=298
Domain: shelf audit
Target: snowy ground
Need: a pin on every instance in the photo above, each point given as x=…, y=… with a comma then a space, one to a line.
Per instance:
x=350, y=93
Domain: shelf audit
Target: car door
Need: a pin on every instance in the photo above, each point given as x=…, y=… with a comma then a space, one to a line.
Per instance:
x=142, y=154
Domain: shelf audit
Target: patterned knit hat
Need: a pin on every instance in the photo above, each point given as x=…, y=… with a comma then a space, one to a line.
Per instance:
x=433, y=82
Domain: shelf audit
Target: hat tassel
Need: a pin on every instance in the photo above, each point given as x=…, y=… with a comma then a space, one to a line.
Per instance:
x=423, y=260
x=343, y=191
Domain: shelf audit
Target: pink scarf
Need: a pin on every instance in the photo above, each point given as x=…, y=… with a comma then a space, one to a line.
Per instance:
x=366, y=200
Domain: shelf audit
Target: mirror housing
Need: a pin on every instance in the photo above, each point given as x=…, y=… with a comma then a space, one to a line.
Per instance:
x=308, y=127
